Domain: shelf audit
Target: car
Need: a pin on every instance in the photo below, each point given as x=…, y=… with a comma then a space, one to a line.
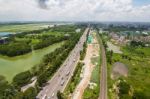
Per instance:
x=74, y=60
x=67, y=73
x=44, y=97
x=53, y=94
x=62, y=82
x=48, y=97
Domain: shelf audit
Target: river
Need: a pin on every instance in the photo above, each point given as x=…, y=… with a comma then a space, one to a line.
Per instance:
x=9, y=67
x=4, y=33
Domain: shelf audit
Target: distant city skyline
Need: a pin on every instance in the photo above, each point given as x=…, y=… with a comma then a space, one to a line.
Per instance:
x=75, y=10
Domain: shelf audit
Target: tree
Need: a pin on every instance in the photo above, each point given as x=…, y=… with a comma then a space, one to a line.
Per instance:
x=109, y=56
x=30, y=93
x=42, y=79
x=140, y=95
x=22, y=78
x=3, y=85
x=60, y=95
x=124, y=89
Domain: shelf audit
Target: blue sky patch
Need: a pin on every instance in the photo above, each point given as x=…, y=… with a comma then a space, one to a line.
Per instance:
x=141, y=2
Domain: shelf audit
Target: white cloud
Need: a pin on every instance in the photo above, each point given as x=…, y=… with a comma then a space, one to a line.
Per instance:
x=79, y=10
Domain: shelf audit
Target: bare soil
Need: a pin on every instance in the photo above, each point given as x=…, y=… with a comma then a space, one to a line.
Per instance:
x=92, y=51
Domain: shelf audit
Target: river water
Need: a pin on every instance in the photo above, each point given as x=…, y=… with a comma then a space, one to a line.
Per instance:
x=9, y=67
x=4, y=33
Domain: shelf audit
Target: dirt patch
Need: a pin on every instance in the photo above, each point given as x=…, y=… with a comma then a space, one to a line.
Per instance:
x=114, y=48
x=92, y=52
x=119, y=69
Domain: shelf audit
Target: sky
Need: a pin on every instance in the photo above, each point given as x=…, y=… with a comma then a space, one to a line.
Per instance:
x=75, y=10
x=141, y=2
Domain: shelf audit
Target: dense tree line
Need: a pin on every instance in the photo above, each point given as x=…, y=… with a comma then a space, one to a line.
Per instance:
x=83, y=52
x=49, y=41
x=137, y=44
x=103, y=40
x=124, y=89
x=15, y=49
x=60, y=95
x=22, y=47
x=76, y=77
x=3, y=85
x=21, y=35
x=74, y=80
x=109, y=55
x=119, y=28
x=67, y=28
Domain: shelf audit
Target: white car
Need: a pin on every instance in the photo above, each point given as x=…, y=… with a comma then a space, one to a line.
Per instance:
x=62, y=82
x=74, y=60
x=53, y=94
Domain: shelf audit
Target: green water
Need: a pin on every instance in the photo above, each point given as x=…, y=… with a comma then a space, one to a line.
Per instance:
x=9, y=67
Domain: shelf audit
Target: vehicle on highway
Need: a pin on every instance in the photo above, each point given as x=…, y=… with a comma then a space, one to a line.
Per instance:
x=67, y=73
x=44, y=97
x=62, y=82
x=48, y=97
x=53, y=94
x=74, y=60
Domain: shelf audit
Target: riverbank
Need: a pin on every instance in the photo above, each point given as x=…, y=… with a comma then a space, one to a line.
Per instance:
x=10, y=66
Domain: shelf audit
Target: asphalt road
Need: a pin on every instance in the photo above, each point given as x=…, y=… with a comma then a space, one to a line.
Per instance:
x=103, y=76
x=60, y=79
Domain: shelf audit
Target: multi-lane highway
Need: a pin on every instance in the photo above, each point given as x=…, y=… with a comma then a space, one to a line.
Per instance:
x=60, y=79
x=103, y=76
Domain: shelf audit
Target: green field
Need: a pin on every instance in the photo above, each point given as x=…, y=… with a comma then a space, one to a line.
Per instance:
x=94, y=93
x=9, y=67
x=138, y=63
x=21, y=28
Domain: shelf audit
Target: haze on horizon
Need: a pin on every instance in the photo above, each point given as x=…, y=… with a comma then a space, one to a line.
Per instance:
x=75, y=10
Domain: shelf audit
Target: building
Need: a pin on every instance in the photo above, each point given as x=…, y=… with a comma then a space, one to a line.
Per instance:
x=3, y=40
x=78, y=30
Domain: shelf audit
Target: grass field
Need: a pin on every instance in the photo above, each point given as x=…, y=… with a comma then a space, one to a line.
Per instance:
x=139, y=69
x=96, y=71
x=21, y=28
x=94, y=93
x=53, y=33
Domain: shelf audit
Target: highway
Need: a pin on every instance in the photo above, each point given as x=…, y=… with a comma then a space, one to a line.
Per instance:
x=61, y=78
x=103, y=75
